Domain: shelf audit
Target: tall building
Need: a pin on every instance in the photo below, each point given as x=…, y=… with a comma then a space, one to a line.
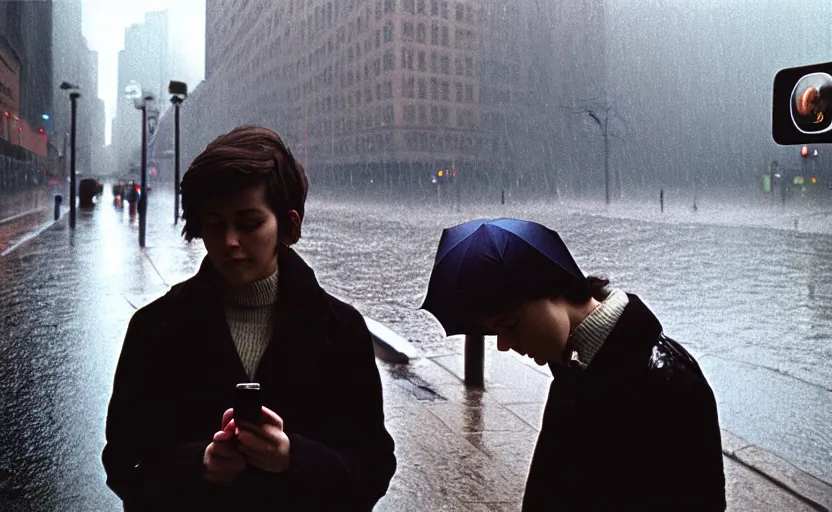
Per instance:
x=144, y=63
x=26, y=92
x=386, y=92
x=74, y=62
x=363, y=91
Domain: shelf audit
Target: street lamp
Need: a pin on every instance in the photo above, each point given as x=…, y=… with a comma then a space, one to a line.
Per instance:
x=141, y=104
x=73, y=97
x=179, y=91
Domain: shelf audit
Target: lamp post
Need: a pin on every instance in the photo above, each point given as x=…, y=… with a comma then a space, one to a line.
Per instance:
x=141, y=104
x=73, y=97
x=179, y=91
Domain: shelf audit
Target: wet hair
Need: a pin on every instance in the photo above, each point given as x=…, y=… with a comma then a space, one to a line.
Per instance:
x=246, y=157
x=502, y=301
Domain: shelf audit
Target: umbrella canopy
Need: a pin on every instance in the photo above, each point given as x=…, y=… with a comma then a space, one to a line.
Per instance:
x=483, y=266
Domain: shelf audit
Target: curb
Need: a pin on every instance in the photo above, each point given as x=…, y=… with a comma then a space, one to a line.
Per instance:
x=21, y=215
x=32, y=234
x=388, y=345
x=814, y=491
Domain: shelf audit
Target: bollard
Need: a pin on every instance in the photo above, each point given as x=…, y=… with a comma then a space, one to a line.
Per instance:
x=661, y=199
x=58, y=200
x=503, y=197
x=474, y=360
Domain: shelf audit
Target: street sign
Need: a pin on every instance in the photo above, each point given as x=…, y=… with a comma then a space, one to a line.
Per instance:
x=152, y=121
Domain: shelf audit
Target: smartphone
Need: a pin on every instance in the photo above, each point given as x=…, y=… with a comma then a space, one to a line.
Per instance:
x=247, y=402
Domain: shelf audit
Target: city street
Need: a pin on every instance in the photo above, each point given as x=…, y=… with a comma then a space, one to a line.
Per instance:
x=752, y=303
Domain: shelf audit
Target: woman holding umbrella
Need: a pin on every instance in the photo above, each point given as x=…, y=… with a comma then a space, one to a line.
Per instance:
x=630, y=423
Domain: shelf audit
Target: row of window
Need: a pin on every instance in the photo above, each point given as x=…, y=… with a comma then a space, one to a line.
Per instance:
x=411, y=89
x=384, y=117
x=439, y=90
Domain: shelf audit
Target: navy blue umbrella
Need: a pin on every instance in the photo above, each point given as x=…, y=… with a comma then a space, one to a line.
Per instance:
x=484, y=265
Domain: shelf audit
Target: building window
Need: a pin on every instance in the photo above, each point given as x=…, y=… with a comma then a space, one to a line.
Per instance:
x=420, y=6
x=460, y=12
x=458, y=69
x=378, y=38
x=444, y=9
x=421, y=33
x=388, y=90
x=446, y=91
x=445, y=37
x=410, y=114
x=389, y=32
x=459, y=93
x=408, y=6
x=368, y=95
x=389, y=61
x=434, y=34
x=388, y=114
x=389, y=6
x=423, y=114
x=446, y=65
x=445, y=115
x=423, y=89
x=434, y=89
x=422, y=66
x=469, y=66
x=409, y=87
x=434, y=7
x=469, y=93
x=434, y=60
x=407, y=31
x=407, y=58
x=377, y=67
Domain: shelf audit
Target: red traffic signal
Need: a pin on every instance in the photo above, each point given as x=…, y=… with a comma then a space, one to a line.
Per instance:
x=804, y=152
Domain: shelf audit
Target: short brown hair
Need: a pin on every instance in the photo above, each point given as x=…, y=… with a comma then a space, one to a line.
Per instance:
x=245, y=157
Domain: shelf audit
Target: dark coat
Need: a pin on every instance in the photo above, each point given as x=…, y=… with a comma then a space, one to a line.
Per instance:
x=637, y=430
x=176, y=376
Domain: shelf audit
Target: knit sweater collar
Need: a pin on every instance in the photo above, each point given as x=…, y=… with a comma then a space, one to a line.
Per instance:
x=253, y=295
x=588, y=338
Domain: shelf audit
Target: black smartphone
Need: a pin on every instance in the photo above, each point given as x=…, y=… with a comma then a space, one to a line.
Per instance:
x=247, y=403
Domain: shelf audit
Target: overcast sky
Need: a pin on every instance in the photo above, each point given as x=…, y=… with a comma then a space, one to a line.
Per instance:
x=104, y=22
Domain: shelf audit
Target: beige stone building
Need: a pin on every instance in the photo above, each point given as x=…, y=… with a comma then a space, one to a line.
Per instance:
x=371, y=93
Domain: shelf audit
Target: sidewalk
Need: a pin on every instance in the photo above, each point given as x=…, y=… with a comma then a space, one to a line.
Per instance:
x=463, y=449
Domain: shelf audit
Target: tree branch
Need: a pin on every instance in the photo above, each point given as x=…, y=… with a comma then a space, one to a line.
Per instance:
x=593, y=115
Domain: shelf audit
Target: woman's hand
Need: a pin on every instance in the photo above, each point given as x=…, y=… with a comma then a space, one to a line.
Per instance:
x=265, y=446
x=223, y=461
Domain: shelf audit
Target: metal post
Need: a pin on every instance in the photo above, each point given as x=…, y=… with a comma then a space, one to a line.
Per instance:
x=176, y=165
x=58, y=200
x=73, y=98
x=607, y=157
x=143, y=198
x=474, y=360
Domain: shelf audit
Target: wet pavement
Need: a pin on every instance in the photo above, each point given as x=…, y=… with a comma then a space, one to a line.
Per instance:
x=724, y=291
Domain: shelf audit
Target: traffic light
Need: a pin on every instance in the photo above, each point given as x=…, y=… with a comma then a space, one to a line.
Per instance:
x=804, y=152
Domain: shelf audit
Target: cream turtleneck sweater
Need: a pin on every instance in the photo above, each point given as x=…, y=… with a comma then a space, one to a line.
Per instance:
x=588, y=338
x=249, y=311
